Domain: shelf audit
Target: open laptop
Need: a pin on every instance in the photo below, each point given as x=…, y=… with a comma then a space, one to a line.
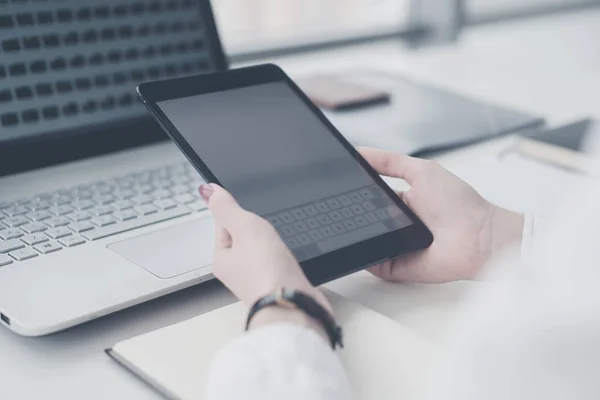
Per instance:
x=98, y=210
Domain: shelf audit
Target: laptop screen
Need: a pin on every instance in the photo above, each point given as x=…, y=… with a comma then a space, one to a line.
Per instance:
x=71, y=63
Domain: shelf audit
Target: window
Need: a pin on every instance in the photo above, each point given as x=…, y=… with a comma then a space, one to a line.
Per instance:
x=251, y=25
x=490, y=10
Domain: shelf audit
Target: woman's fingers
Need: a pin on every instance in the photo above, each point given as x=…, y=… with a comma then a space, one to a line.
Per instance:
x=227, y=212
x=392, y=164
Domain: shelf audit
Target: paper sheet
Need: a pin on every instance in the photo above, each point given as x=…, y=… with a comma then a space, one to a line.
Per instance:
x=521, y=184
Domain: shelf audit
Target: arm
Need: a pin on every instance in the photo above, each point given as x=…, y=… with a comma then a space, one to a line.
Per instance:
x=286, y=354
x=278, y=361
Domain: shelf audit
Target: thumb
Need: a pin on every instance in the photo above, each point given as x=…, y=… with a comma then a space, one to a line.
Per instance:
x=226, y=211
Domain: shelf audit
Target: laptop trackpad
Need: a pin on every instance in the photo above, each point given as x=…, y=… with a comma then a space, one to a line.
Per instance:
x=172, y=251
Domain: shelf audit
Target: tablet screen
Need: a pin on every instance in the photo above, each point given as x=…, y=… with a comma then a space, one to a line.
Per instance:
x=280, y=161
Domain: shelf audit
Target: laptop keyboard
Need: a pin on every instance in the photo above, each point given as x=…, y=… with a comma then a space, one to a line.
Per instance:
x=51, y=222
x=338, y=221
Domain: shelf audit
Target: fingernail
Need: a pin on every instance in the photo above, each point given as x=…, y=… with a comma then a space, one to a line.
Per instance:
x=206, y=191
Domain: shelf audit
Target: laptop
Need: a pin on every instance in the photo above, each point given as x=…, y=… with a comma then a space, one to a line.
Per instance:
x=98, y=210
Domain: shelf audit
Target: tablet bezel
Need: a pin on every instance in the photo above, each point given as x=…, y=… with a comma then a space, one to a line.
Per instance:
x=323, y=268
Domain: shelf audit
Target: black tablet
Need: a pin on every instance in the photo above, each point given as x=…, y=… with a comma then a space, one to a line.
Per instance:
x=255, y=133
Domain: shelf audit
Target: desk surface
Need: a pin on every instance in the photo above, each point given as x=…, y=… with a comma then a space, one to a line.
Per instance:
x=517, y=64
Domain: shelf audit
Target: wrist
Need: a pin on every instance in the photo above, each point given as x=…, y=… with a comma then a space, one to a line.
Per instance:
x=505, y=230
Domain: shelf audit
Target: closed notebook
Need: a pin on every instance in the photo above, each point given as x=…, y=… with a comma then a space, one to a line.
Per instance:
x=383, y=360
x=564, y=146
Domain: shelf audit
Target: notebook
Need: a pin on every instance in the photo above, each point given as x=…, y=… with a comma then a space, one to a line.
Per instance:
x=421, y=118
x=564, y=146
x=383, y=360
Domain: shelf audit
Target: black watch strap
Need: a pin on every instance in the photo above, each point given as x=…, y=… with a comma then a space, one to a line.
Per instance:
x=297, y=300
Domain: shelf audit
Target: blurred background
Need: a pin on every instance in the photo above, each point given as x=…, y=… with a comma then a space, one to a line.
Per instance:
x=257, y=26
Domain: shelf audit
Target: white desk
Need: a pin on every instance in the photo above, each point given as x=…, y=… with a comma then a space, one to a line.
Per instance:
x=559, y=79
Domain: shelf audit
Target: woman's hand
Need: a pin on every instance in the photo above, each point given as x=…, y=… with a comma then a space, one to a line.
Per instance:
x=251, y=259
x=467, y=229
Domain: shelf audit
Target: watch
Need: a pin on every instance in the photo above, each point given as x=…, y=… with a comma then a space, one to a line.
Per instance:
x=296, y=300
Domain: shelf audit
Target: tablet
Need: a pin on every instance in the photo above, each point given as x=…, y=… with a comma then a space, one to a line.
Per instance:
x=255, y=133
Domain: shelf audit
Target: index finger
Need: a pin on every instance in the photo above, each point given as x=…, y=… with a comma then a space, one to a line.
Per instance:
x=391, y=164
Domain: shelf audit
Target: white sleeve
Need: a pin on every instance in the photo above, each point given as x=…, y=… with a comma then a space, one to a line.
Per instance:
x=533, y=229
x=280, y=361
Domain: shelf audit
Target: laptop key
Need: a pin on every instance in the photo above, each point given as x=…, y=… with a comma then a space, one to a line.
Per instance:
x=11, y=245
x=35, y=238
x=61, y=200
x=80, y=216
x=61, y=210
x=81, y=226
x=185, y=198
x=84, y=204
x=34, y=227
x=14, y=222
x=136, y=223
x=197, y=206
x=103, y=221
x=125, y=215
x=72, y=241
x=142, y=199
x=48, y=247
x=146, y=209
x=39, y=205
x=23, y=254
x=102, y=210
x=104, y=199
x=127, y=194
x=5, y=260
x=13, y=211
x=11, y=233
x=39, y=215
x=165, y=204
x=57, y=221
x=58, y=233
x=162, y=194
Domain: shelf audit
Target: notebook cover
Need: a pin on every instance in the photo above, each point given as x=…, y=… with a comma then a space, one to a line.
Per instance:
x=563, y=147
x=383, y=359
x=422, y=118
